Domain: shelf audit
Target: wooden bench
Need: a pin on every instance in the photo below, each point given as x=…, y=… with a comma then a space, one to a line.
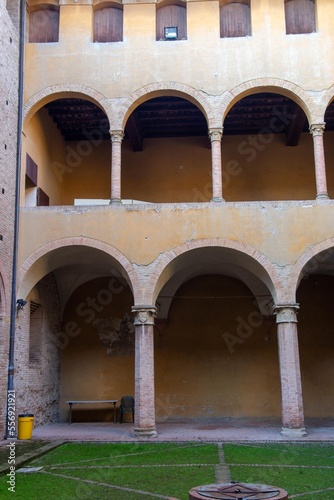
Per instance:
x=82, y=402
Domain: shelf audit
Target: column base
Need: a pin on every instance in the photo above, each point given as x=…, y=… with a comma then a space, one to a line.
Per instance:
x=217, y=199
x=293, y=433
x=145, y=432
x=114, y=201
x=322, y=196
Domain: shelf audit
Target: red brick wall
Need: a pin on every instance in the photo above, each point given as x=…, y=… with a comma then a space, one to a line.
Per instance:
x=9, y=46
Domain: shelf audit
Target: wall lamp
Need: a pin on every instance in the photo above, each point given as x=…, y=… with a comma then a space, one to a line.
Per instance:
x=20, y=303
x=170, y=33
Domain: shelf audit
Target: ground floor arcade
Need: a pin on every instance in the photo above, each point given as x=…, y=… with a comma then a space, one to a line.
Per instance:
x=210, y=330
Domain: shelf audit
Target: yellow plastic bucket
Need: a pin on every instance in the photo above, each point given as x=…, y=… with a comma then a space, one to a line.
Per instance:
x=26, y=424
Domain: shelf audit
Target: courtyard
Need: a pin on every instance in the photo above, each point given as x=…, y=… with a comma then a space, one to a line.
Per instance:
x=104, y=460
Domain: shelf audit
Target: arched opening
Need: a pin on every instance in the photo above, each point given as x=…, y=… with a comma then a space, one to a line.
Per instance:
x=329, y=147
x=166, y=153
x=216, y=353
x=67, y=154
x=267, y=150
x=316, y=334
x=80, y=332
x=98, y=360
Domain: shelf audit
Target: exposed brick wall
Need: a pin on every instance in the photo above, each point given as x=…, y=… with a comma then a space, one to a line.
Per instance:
x=9, y=57
x=37, y=382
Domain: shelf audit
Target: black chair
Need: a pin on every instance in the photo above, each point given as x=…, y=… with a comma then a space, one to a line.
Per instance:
x=127, y=405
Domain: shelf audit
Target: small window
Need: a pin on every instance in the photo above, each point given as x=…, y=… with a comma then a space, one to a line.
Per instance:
x=44, y=25
x=235, y=19
x=31, y=171
x=108, y=24
x=299, y=16
x=171, y=21
x=35, y=343
x=42, y=198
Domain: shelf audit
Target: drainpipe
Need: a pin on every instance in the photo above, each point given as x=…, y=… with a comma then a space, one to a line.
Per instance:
x=10, y=385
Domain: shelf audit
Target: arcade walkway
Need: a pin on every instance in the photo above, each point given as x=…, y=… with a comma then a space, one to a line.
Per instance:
x=259, y=430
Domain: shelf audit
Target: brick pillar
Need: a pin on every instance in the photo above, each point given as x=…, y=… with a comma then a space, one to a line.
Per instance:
x=291, y=387
x=116, y=143
x=144, y=371
x=317, y=131
x=215, y=135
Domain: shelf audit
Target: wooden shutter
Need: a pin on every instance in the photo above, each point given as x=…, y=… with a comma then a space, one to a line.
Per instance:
x=235, y=20
x=299, y=16
x=42, y=198
x=44, y=26
x=108, y=25
x=31, y=170
x=170, y=16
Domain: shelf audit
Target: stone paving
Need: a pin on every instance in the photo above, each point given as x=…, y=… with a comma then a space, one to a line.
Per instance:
x=226, y=430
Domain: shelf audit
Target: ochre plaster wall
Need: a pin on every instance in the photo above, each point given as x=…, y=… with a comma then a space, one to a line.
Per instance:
x=208, y=379
x=87, y=370
x=167, y=170
x=45, y=145
x=269, y=51
x=141, y=234
x=316, y=344
x=198, y=373
x=171, y=169
x=268, y=170
x=200, y=370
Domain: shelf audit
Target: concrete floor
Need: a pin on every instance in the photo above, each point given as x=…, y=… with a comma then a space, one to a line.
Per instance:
x=226, y=430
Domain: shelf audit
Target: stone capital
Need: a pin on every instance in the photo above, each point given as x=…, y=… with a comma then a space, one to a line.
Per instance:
x=317, y=129
x=215, y=134
x=144, y=315
x=286, y=313
x=116, y=135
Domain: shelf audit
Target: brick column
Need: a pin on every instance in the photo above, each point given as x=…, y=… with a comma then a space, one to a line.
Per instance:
x=144, y=371
x=317, y=131
x=291, y=387
x=215, y=135
x=116, y=144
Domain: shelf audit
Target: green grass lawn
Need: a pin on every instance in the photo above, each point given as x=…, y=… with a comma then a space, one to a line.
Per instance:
x=125, y=471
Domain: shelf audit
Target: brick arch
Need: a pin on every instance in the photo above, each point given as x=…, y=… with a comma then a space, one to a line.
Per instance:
x=164, y=268
x=27, y=268
x=164, y=89
x=61, y=91
x=326, y=99
x=278, y=86
x=307, y=264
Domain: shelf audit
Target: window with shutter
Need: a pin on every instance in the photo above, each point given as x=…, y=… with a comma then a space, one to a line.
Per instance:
x=171, y=15
x=31, y=171
x=42, y=198
x=108, y=24
x=44, y=25
x=235, y=19
x=299, y=16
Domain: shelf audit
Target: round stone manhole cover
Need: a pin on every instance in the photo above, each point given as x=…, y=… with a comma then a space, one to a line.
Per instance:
x=237, y=491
